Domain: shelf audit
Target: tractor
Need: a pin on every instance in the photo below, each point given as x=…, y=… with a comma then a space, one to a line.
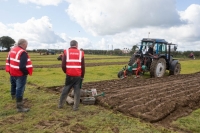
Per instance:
x=156, y=65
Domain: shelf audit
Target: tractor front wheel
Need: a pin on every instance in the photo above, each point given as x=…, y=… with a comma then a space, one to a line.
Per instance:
x=158, y=68
x=120, y=74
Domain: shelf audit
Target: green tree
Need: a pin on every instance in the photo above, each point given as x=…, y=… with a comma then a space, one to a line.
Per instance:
x=133, y=50
x=6, y=42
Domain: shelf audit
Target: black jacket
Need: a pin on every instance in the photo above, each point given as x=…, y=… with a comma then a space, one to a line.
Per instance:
x=22, y=64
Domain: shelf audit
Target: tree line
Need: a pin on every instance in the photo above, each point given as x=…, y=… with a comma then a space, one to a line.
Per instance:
x=7, y=42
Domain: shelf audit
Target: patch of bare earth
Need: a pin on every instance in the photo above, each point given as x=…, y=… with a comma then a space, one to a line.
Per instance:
x=12, y=120
x=156, y=100
x=78, y=128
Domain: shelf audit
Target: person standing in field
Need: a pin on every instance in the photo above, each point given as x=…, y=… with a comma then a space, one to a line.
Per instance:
x=73, y=65
x=19, y=65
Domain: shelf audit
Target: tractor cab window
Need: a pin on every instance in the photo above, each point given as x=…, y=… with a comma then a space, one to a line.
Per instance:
x=172, y=48
x=160, y=48
x=145, y=46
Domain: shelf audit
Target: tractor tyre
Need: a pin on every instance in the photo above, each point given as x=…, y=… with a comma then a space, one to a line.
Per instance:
x=177, y=70
x=152, y=67
x=120, y=74
x=158, y=68
x=132, y=60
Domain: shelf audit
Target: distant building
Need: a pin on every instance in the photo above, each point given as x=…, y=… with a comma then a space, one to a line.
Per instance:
x=126, y=51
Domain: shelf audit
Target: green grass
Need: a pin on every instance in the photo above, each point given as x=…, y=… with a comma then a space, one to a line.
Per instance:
x=190, y=66
x=106, y=60
x=52, y=59
x=191, y=122
x=44, y=116
x=47, y=77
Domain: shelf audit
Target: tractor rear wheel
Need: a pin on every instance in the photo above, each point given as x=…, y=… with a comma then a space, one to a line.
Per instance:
x=177, y=70
x=158, y=68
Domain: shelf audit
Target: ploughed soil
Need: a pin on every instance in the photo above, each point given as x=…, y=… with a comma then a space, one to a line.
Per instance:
x=155, y=100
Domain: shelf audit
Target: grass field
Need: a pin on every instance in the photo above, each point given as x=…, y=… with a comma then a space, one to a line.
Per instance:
x=44, y=116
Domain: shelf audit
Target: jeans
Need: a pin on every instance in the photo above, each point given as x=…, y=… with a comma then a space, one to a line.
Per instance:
x=18, y=86
x=71, y=82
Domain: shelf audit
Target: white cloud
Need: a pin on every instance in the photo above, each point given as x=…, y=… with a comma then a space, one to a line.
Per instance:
x=42, y=2
x=191, y=14
x=123, y=24
x=83, y=42
x=103, y=44
x=103, y=17
x=3, y=29
x=130, y=21
x=120, y=24
x=38, y=32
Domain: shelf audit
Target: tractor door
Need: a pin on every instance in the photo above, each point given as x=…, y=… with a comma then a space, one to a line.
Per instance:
x=160, y=48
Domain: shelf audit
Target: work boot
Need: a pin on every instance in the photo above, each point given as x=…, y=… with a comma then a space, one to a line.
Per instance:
x=62, y=101
x=20, y=107
x=75, y=109
x=24, y=100
x=60, y=106
x=76, y=100
x=13, y=97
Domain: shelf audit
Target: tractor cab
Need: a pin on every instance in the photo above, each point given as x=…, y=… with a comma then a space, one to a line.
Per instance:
x=159, y=45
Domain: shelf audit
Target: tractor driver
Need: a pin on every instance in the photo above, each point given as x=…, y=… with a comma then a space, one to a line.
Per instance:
x=150, y=51
x=148, y=61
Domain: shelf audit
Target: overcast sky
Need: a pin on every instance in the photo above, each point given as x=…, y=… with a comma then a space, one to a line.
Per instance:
x=101, y=24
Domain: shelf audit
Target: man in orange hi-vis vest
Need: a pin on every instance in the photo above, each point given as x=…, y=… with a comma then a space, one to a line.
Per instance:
x=19, y=65
x=73, y=65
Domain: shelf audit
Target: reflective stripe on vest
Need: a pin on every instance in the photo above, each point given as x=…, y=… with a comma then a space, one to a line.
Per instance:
x=17, y=55
x=16, y=60
x=13, y=62
x=73, y=60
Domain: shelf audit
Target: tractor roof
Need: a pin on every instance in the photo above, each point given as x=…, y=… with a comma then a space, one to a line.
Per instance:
x=155, y=40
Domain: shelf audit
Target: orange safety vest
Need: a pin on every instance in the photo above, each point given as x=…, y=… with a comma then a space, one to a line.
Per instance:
x=13, y=61
x=73, y=61
x=7, y=63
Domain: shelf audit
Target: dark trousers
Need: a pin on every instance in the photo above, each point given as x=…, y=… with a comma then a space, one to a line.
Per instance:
x=18, y=86
x=71, y=82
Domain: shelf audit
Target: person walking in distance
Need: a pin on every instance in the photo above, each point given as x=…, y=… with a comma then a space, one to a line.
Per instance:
x=73, y=65
x=19, y=65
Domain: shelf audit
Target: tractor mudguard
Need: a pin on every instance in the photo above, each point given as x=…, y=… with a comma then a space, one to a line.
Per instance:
x=173, y=64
